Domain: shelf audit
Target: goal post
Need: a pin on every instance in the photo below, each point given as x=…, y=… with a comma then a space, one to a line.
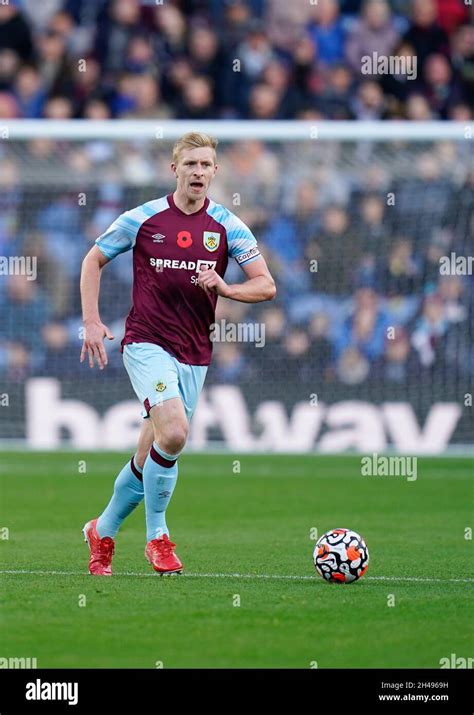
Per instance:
x=367, y=228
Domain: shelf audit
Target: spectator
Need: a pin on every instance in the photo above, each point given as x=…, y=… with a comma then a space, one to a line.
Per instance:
x=15, y=362
x=369, y=103
x=334, y=99
x=277, y=75
x=96, y=109
x=255, y=52
x=25, y=309
x=140, y=58
x=321, y=348
x=9, y=66
x=63, y=24
x=40, y=14
x=58, y=108
x=414, y=217
x=285, y=23
x=397, y=365
x=235, y=22
x=197, y=100
x=273, y=318
x=287, y=233
x=264, y=102
x=451, y=14
x=442, y=89
x=114, y=33
x=400, y=276
x=306, y=79
x=147, y=103
x=15, y=33
x=365, y=329
x=10, y=206
x=296, y=357
x=418, y=108
x=205, y=57
x=229, y=364
x=61, y=222
x=88, y=85
x=372, y=225
x=463, y=59
x=438, y=247
x=175, y=78
x=51, y=277
x=398, y=86
x=429, y=330
x=460, y=113
x=327, y=32
x=251, y=167
x=426, y=36
x=336, y=244
x=171, y=27
x=9, y=108
x=59, y=350
x=352, y=367
x=373, y=33
x=29, y=92
x=451, y=292
x=55, y=66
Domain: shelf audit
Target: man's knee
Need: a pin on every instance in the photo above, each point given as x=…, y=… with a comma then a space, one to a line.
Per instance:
x=172, y=438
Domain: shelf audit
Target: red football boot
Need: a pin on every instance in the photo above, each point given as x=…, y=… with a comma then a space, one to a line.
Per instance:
x=160, y=553
x=101, y=550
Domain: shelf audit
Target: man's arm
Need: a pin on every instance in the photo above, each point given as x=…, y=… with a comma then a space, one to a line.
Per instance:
x=95, y=330
x=258, y=287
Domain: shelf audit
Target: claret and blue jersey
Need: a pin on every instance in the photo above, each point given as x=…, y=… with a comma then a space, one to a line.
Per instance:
x=170, y=248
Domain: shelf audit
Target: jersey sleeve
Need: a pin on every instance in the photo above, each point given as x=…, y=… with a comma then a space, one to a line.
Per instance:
x=121, y=234
x=242, y=244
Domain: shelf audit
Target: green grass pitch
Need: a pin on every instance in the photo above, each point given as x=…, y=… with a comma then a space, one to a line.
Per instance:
x=241, y=537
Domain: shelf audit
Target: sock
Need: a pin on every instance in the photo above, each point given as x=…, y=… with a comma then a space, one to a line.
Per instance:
x=128, y=493
x=160, y=474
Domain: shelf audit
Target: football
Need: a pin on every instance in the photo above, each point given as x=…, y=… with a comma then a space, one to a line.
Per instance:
x=341, y=556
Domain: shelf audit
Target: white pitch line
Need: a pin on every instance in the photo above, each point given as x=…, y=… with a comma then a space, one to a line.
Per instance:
x=276, y=577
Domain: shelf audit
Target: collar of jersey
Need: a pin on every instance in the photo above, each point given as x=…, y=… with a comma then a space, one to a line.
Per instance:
x=177, y=210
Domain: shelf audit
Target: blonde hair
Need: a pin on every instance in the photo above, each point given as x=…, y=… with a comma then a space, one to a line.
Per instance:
x=193, y=140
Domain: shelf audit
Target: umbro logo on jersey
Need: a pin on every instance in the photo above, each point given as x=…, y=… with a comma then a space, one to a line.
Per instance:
x=158, y=238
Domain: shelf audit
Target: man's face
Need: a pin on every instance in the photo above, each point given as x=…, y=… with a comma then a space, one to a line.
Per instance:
x=194, y=172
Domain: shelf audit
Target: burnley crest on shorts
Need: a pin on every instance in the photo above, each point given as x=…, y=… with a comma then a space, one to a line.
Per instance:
x=211, y=240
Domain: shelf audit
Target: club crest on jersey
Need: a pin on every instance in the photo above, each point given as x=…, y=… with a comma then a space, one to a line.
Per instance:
x=211, y=240
x=160, y=386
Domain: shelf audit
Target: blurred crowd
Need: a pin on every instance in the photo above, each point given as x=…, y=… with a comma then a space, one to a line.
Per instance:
x=248, y=59
x=353, y=235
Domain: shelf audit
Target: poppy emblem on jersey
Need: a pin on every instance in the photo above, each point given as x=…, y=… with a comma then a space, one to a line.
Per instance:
x=211, y=240
x=160, y=386
x=184, y=239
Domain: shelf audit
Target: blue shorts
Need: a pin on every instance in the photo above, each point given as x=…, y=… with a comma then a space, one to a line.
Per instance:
x=156, y=376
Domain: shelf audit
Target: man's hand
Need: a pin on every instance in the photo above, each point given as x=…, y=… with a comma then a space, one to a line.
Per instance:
x=211, y=282
x=93, y=344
